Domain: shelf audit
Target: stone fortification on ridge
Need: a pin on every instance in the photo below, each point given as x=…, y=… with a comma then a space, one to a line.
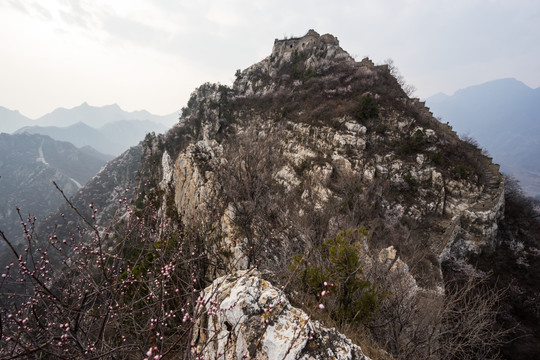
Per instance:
x=312, y=40
x=309, y=40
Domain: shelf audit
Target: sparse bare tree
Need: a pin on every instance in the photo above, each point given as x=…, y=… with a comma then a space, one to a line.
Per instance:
x=407, y=88
x=459, y=323
x=250, y=160
x=123, y=291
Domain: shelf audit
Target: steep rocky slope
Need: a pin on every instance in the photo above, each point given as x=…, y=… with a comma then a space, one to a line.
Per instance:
x=309, y=142
x=329, y=132
x=324, y=175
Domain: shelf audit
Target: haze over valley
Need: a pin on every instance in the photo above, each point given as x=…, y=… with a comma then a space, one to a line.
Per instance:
x=504, y=117
x=108, y=129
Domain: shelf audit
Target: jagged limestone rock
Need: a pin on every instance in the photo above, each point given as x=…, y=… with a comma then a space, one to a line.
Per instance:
x=393, y=153
x=247, y=317
x=194, y=179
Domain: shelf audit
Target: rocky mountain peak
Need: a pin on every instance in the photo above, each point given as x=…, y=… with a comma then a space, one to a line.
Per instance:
x=291, y=62
x=331, y=125
x=310, y=169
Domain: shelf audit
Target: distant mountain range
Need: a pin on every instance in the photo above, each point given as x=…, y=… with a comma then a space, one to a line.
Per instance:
x=28, y=165
x=108, y=129
x=11, y=120
x=504, y=117
x=94, y=116
x=99, y=116
x=68, y=146
x=112, y=138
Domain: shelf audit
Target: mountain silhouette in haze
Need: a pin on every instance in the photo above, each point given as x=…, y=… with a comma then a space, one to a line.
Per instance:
x=108, y=129
x=11, y=120
x=504, y=117
x=99, y=116
x=94, y=116
x=112, y=138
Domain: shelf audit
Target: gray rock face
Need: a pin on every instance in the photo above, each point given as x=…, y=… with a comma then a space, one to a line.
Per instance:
x=316, y=149
x=193, y=179
x=246, y=317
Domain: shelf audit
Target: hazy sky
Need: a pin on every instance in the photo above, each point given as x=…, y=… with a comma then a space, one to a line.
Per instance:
x=151, y=54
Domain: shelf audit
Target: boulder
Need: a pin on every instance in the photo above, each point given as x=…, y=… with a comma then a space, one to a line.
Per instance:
x=245, y=317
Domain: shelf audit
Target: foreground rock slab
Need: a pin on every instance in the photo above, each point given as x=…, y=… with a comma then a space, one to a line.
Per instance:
x=247, y=318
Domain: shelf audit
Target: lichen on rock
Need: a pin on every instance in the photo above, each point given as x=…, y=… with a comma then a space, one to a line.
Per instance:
x=247, y=317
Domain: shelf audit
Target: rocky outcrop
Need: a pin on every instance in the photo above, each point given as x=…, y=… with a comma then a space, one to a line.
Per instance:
x=401, y=152
x=315, y=51
x=247, y=317
x=333, y=167
x=474, y=223
x=194, y=179
x=472, y=211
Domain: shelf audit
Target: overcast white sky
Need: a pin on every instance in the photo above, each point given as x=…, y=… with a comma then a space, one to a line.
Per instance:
x=151, y=54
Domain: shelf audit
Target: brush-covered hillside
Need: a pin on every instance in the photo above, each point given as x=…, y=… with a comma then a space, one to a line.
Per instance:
x=312, y=210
